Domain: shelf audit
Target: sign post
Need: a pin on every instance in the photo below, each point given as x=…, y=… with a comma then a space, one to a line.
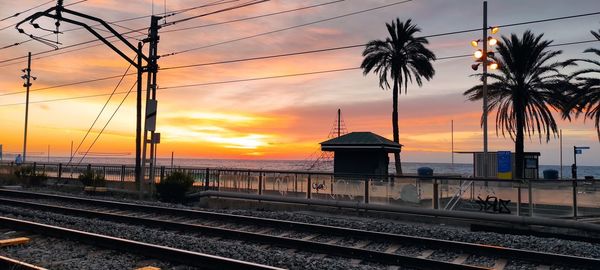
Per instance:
x=577, y=150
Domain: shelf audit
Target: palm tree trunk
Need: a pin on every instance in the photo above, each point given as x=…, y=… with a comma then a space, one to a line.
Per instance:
x=397, y=161
x=519, y=140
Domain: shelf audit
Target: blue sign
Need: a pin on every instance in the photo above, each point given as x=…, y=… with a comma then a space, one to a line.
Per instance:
x=578, y=151
x=504, y=161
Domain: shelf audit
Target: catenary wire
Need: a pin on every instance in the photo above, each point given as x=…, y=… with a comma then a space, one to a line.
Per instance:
x=107, y=122
x=343, y=47
x=261, y=78
x=100, y=113
x=287, y=28
x=74, y=3
x=220, y=2
x=27, y=10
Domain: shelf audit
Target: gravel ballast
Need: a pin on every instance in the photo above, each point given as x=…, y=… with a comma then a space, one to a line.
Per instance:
x=552, y=245
x=189, y=241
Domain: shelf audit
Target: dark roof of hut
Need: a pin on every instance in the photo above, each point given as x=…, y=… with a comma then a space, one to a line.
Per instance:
x=360, y=140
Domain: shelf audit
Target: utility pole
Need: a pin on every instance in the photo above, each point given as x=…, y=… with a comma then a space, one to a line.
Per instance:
x=151, y=103
x=485, y=98
x=27, y=77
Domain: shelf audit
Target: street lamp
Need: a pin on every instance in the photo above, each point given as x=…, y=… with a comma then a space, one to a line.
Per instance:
x=485, y=58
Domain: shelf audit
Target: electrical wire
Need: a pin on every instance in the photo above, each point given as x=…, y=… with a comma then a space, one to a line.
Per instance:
x=9, y=26
x=320, y=50
x=250, y=3
x=251, y=18
x=100, y=113
x=115, y=23
x=286, y=28
x=27, y=10
x=260, y=78
x=107, y=122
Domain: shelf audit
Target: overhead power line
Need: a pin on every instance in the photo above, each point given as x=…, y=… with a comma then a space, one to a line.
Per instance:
x=100, y=113
x=27, y=10
x=115, y=23
x=263, y=78
x=287, y=28
x=19, y=13
x=251, y=18
x=250, y=3
x=254, y=59
x=107, y=122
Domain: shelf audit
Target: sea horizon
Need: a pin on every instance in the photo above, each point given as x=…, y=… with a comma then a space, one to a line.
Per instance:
x=409, y=167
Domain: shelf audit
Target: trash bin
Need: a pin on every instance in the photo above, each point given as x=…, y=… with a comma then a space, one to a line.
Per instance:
x=425, y=171
x=550, y=174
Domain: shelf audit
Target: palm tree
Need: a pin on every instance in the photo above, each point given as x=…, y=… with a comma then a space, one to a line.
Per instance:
x=587, y=96
x=401, y=57
x=524, y=91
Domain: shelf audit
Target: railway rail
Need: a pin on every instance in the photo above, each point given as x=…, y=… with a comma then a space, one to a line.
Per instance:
x=200, y=260
x=322, y=239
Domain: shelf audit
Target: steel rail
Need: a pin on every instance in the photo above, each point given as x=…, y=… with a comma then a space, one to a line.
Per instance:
x=535, y=256
x=145, y=249
x=9, y=263
x=324, y=248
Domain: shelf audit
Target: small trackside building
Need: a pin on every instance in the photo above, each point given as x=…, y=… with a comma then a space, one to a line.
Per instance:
x=361, y=153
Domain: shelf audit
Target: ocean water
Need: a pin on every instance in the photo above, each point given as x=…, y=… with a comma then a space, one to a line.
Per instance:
x=462, y=169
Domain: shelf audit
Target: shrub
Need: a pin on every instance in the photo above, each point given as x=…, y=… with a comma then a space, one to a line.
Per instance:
x=29, y=178
x=174, y=187
x=92, y=178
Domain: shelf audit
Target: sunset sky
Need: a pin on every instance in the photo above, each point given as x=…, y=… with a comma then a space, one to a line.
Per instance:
x=277, y=118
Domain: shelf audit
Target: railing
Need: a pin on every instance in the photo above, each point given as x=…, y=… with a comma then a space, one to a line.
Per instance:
x=552, y=198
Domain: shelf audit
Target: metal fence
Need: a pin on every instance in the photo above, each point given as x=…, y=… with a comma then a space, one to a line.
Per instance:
x=551, y=198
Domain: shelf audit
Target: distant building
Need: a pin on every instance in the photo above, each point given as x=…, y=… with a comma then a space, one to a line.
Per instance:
x=361, y=153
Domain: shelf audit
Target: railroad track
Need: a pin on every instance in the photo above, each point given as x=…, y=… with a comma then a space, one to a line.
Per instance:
x=194, y=259
x=383, y=248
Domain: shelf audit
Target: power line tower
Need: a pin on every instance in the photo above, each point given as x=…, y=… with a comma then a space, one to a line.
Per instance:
x=58, y=13
x=324, y=159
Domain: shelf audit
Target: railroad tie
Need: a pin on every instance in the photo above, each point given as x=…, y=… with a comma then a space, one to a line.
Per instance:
x=500, y=264
x=461, y=259
x=362, y=244
x=306, y=238
x=426, y=254
x=392, y=248
x=543, y=267
x=334, y=240
x=148, y=268
x=14, y=241
x=265, y=231
x=355, y=262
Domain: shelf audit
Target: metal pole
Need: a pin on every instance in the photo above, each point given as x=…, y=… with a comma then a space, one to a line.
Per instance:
x=452, y=139
x=48, y=153
x=561, y=155
x=575, y=198
x=172, y=158
x=574, y=169
x=338, y=122
x=27, y=85
x=485, y=98
x=138, y=123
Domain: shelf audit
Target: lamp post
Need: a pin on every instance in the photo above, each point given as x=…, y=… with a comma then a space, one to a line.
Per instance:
x=481, y=57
